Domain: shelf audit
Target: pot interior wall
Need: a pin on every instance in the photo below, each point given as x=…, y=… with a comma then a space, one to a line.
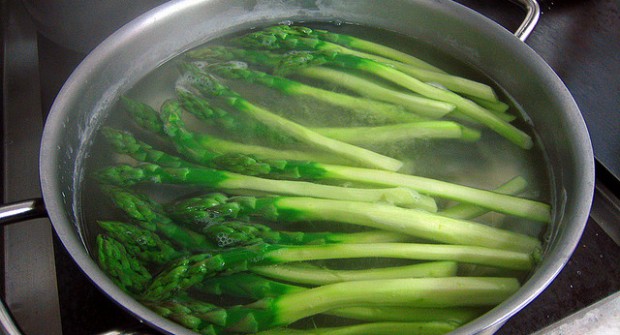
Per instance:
x=143, y=45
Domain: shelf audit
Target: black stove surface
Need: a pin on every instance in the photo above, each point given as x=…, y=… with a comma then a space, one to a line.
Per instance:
x=579, y=39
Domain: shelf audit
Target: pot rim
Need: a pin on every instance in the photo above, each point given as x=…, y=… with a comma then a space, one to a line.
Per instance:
x=554, y=260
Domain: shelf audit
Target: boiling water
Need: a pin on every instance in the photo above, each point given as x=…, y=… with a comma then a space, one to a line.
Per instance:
x=484, y=164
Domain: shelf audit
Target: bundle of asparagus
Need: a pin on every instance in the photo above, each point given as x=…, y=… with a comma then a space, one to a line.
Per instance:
x=234, y=240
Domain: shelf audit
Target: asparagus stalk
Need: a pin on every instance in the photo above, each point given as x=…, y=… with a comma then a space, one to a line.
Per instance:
x=416, y=104
x=313, y=275
x=379, y=328
x=187, y=144
x=235, y=233
x=195, y=269
x=376, y=111
x=125, y=175
x=141, y=243
x=414, y=223
x=124, y=270
x=149, y=215
x=232, y=123
x=463, y=105
x=289, y=38
x=506, y=204
x=415, y=292
x=251, y=286
x=149, y=119
x=354, y=43
x=188, y=312
x=207, y=85
x=468, y=211
x=125, y=143
x=246, y=285
x=401, y=132
x=520, y=207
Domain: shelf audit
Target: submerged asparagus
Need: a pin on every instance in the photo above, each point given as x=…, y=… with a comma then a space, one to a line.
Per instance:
x=301, y=38
x=192, y=270
x=416, y=104
x=307, y=59
x=415, y=223
x=125, y=175
x=207, y=85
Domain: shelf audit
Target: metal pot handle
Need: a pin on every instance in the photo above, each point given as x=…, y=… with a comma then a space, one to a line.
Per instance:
x=531, y=18
x=22, y=211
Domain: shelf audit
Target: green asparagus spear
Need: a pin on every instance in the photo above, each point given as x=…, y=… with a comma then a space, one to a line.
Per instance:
x=124, y=142
x=188, y=312
x=141, y=243
x=411, y=222
x=468, y=211
x=125, y=175
x=490, y=200
x=207, y=85
x=416, y=104
x=289, y=38
x=124, y=270
x=192, y=270
x=251, y=286
x=378, y=328
x=150, y=120
x=401, y=132
x=354, y=43
x=246, y=285
x=367, y=109
x=313, y=275
x=292, y=62
x=149, y=216
x=415, y=292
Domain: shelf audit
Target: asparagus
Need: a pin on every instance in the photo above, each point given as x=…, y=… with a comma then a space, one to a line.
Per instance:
x=125, y=175
x=124, y=270
x=416, y=104
x=425, y=292
x=245, y=285
x=251, y=286
x=188, y=312
x=511, y=205
x=149, y=119
x=307, y=59
x=192, y=270
x=401, y=132
x=187, y=144
x=312, y=275
x=207, y=85
x=355, y=43
x=468, y=211
x=411, y=222
x=232, y=123
x=375, y=111
x=235, y=233
x=149, y=215
x=140, y=243
x=124, y=142
x=520, y=207
x=379, y=328
x=289, y=38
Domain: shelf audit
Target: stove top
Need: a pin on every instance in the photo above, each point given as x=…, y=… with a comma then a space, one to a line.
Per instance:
x=577, y=38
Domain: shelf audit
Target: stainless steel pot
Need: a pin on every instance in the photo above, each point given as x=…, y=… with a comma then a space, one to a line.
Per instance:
x=147, y=42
